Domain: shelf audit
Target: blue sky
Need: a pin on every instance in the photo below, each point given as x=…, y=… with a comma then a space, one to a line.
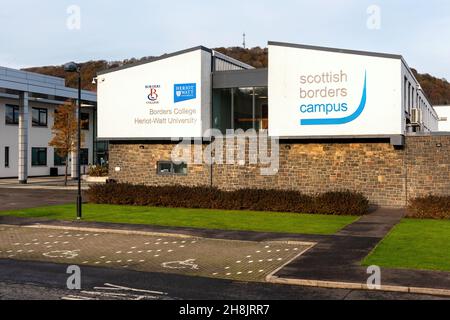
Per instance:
x=34, y=33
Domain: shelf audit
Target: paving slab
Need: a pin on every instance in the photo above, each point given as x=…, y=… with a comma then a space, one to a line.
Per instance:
x=194, y=256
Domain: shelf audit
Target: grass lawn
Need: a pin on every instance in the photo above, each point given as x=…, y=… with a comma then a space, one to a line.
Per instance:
x=415, y=244
x=196, y=218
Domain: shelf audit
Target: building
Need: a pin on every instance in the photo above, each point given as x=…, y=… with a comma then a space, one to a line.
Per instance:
x=345, y=119
x=27, y=104
x=444, y=118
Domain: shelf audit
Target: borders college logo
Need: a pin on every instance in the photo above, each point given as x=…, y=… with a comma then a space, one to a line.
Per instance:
x=184, y=92
x=153, y=95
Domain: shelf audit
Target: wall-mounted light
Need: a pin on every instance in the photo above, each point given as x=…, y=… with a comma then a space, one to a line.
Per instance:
x=142, y=147
x=439, y=145
x=288, y=147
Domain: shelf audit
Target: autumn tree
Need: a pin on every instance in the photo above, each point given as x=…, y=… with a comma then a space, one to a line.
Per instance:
x=65, y=133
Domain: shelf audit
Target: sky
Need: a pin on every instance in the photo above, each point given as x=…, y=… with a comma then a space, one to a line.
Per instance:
x=52, y=32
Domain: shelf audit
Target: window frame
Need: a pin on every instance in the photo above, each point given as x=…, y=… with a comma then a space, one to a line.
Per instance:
x=40, y=111
x=87, y=156
x=56, y=156
x=16, y=112
x=7, y=155
x=39, y=150
x=85, y=126
x=172, y=168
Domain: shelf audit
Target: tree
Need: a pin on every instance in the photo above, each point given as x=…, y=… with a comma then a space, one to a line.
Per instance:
x=65, y=133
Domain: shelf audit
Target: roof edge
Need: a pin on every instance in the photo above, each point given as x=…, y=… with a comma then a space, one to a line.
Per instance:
x=337, y=50
x=164, y=56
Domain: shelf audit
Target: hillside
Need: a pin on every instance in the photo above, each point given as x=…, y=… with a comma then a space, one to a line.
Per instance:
x=438, y=90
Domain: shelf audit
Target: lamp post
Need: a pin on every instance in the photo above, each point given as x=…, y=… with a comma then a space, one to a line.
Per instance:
x=73, y=67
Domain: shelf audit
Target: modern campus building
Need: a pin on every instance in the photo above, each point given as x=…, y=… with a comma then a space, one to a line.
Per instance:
x=344, y=119
x=27, y=105
x=444, y=118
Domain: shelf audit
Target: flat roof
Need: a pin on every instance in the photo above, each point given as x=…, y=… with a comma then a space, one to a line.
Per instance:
x=177, y=53
x=164, y=56
x=25, y=81
x=337, y=50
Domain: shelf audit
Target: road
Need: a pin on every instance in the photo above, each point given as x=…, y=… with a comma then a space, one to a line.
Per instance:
x=42, y=280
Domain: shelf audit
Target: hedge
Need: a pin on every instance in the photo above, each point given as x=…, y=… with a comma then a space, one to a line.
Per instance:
x=429, y=207
x=330, y=203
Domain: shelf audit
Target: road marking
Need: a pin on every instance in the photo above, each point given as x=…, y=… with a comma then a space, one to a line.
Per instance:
x=67, y=254
x=187, y=264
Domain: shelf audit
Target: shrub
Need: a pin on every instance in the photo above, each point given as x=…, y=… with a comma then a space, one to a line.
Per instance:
x=342, y=203
x=430, y=207
x=98, y=171
x=331, y=203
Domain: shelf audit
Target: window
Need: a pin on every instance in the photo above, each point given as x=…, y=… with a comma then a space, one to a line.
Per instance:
x=6, y=157
x=38, y=156
x=170, y=168
x=84, y=121
x=405, y=95
x=101, y=152
x=241, y=108
x=58, y=160
x=222, y=109
x=39, y=117
x=261, y=109
x=12, y=114
x=84, y=157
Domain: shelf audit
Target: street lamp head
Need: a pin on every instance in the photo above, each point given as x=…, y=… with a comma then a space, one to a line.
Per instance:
x=71, y=67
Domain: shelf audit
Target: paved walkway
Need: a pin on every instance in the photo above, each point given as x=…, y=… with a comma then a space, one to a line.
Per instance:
x=43, y=183
x=16, y=199
x=338, y=259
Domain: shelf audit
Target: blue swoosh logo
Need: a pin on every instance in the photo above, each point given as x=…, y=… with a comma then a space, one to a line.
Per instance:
x=350, y=118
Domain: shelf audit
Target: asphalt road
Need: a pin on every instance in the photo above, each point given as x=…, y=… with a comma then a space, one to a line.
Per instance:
x=41, y=280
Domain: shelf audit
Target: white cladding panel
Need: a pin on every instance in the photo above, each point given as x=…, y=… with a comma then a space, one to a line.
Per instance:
x=444, y=118
x=322, y=93
x=167, y=98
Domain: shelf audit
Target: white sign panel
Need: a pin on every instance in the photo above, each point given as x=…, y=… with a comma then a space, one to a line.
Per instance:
x=324, y=93
x=161, y=99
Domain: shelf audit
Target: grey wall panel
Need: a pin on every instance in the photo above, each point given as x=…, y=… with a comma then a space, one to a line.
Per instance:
x=240, y=78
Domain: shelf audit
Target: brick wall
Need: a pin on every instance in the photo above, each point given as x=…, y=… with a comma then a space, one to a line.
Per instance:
x=428, y=165
x=386, y=175
x=139, y=166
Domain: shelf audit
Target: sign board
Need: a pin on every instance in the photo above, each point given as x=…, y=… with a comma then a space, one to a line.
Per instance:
x=318, y=93
x=167, y=98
